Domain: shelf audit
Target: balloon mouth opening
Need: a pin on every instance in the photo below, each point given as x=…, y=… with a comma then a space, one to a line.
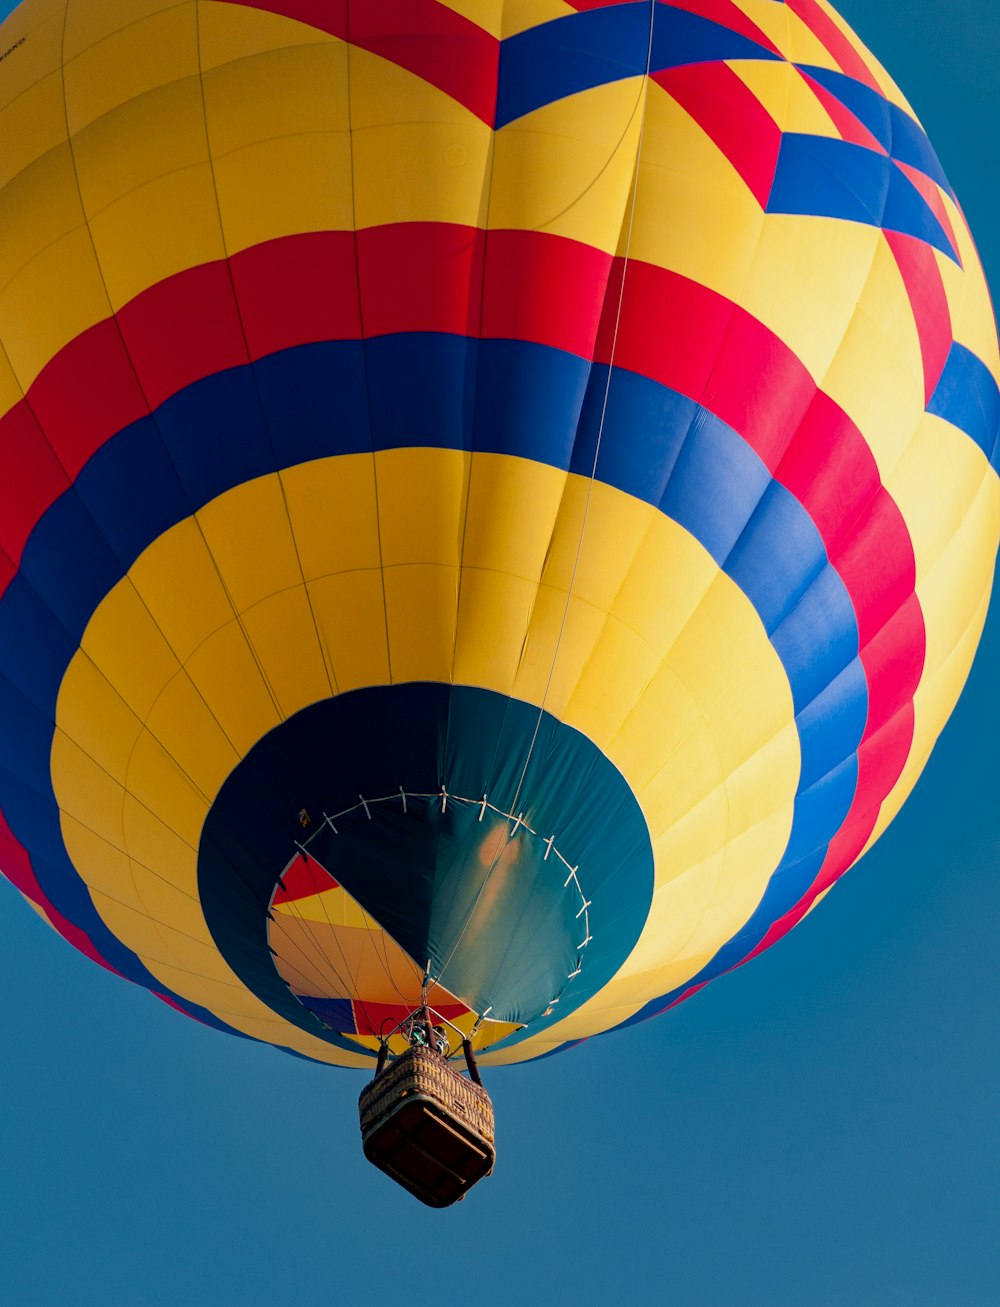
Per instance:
x=343, y=933
x=422, y=837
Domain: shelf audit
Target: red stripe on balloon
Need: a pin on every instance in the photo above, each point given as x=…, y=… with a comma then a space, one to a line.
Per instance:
x=728, y=112
x=31, y=477
x=833, y=39
x=303, y=879
x=918, y=266
x=423, y=37
x=379, y=1018
x=850, y=127
x=931, y=195
x=878, y=592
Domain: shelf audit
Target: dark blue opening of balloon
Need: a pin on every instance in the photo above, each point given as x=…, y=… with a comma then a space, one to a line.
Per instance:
x=525, y=904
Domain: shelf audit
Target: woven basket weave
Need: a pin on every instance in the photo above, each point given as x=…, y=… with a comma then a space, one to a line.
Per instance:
x=428, y=1127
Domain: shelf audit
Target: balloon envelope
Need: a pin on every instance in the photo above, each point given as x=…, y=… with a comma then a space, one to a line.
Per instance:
x=498, y=497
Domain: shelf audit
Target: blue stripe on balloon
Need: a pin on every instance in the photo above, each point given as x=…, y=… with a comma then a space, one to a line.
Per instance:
x=901, y=136
x=968, y=397
x=598, y=46
x=868, y=106
x=822, y=177
x=433, y=390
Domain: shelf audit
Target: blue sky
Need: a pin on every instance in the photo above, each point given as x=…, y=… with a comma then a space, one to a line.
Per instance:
x=819, y=1128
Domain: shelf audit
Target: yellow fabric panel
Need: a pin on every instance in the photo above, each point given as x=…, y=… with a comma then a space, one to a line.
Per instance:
x=669, y=579
x=421, y=602
x=92, y=713
x=154, y=844
x=573, y=630
x=617, y=671
x=694, y=214
x=91, y=21
x=121, y=67
x=185, y=615
x=228, y=676
x=717, y=829
x=518, y=539
x=877, y=374
x=494, y=616
x=487, y=14
x=693, y=924
x=519, y=15
x=783, y=92
x=567, y=168
x=139, y=667
x=335, y=907
x=789, y=33
x=278, y=130
x=281, y=187
x=173, y=218
x=596, y=534
x=66, y=276
x=154, y=213
x=350, y=613
x=229, y=32
x=941, y=456
x=803, y=261
x=332, y=504
x=419, y=156
x=421, y=505
x=973, y=321
x=31, y=125
x=250, y=540
x=143, y=140
x=276, y=93
x=281, y=630
x=108, y=867
x=689, y=777
x=40, y=24
x=183, y=723
x=169, y=784
x=86, y=791
x=44, y=247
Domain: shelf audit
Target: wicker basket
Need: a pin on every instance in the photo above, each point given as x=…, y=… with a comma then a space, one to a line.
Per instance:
x=428, y=1127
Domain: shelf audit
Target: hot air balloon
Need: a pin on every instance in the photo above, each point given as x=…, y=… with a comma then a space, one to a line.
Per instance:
x=498, y=499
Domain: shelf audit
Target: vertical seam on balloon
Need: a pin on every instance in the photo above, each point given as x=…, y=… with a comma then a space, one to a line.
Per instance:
x=330, y=675
x=569, y=596
x=364, y=339
x=485, y=203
